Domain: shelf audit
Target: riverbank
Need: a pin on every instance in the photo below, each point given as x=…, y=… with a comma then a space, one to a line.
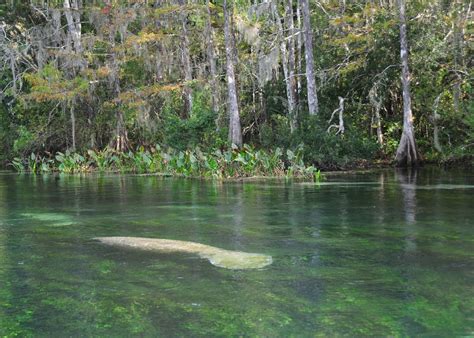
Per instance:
x=245, y=163
x=229, y=163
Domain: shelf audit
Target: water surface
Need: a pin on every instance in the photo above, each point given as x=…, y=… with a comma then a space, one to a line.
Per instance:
x=386, y=253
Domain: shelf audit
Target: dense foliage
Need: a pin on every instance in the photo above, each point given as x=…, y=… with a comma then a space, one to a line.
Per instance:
x=122, y=76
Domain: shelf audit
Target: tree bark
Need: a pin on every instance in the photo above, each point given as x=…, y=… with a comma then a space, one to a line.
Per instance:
x=73, y=18
x=407, y=153
x=376, y=101
x=378, y=124
x=120, y=141
x=188, y=76
x=436, y=143
x=73, y=126
x=286, y=69
x=235, y=131
x=291, y=62
x=299, y=47
x=458, y=53
x=308, y=43
x=13, y=70
x=212, y=61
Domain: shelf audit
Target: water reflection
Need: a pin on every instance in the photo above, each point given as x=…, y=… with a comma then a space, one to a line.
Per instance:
x=407, y=179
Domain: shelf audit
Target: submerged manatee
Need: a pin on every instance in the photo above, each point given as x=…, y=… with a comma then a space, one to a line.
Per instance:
x=218, y=257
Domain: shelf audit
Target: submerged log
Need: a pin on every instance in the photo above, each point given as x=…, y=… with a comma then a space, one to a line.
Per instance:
x=219, y=257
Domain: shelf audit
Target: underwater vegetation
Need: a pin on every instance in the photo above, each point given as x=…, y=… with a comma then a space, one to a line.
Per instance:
x=347, y=259
x=235, y=260
x=52, y=219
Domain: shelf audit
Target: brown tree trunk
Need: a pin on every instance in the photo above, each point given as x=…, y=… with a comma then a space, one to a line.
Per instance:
x=235, y=131
x=121, y=135
x=407, y=153
x=120, y=141
x=308, y=44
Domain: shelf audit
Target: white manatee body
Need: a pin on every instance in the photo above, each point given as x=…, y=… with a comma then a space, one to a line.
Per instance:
x=219, y=257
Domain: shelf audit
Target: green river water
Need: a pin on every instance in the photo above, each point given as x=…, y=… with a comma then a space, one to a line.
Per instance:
x=389, y=253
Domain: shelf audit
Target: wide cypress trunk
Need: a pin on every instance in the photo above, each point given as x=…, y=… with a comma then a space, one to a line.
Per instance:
x=407, y=153
x=235, y=132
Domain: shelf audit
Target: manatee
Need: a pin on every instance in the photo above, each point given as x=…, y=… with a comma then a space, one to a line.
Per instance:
x=235, y=260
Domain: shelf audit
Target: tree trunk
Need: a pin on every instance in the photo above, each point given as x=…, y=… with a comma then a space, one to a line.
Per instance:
x=13, y=69
x=378, y=124
x=73, y=18
x=291, y=61
x=121, y=135
x=436, y=117
x=376, y=101
x=299, y=47
x=92, y=133
x=120, y=141
x=73, y=126
x=308, y=43
x=285, y=64
x=212, y=61
x=188, y=76
x=235, y=132
x=407, y=153
x=457, y=50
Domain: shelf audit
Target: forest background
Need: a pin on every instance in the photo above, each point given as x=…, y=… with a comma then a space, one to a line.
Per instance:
x=310, y=84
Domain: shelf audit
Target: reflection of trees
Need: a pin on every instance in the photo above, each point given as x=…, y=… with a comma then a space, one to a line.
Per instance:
x=238, y=212
x=407, y=180
x=4, y=292
x=381, y=205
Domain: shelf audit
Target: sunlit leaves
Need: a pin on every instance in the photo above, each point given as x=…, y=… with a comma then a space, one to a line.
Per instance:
x=49, y=84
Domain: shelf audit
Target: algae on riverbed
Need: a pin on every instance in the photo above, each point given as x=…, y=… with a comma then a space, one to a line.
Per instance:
x=235, y=260
x=53, y=219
